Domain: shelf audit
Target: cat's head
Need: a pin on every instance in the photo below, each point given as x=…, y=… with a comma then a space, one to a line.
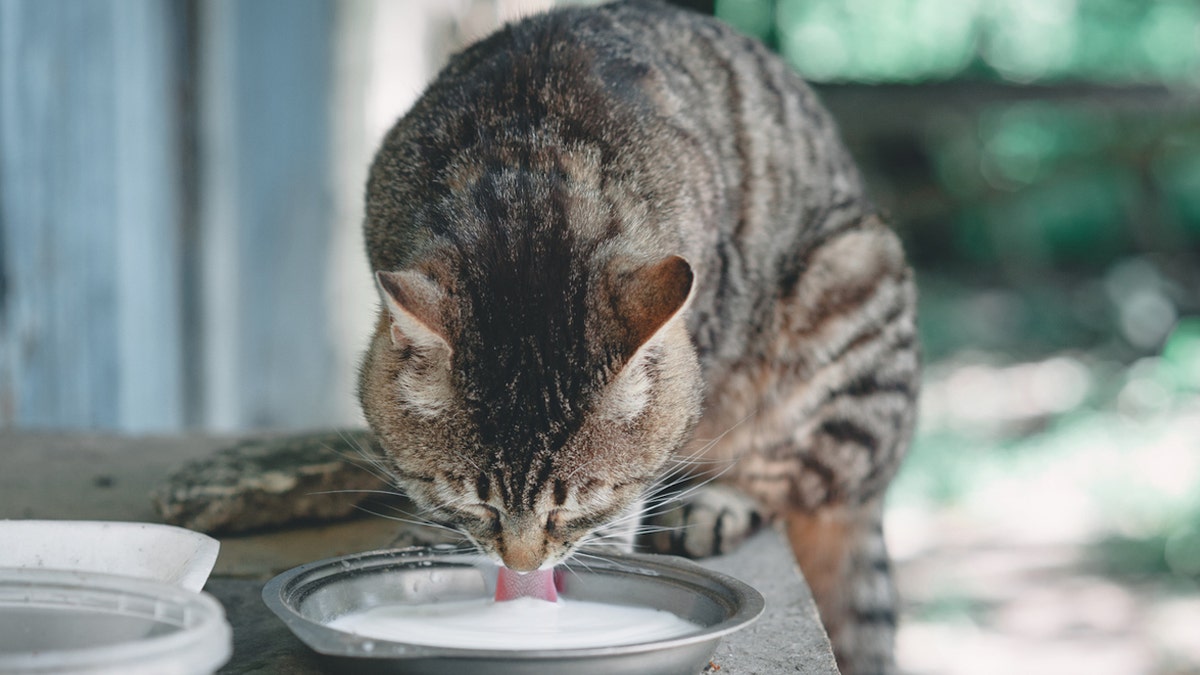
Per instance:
x=529, y=402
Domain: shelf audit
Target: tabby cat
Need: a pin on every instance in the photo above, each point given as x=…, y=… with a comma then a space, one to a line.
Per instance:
x=618, y=240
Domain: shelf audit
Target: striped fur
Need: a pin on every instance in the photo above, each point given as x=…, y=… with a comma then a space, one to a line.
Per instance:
x=608, y=236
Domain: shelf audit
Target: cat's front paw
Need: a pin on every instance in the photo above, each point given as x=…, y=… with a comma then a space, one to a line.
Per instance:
x=710, y=521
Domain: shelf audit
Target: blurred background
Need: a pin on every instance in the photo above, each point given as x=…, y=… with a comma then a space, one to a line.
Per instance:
x=180, y=204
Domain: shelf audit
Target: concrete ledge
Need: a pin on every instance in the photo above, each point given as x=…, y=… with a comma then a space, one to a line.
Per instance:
x=96, y=477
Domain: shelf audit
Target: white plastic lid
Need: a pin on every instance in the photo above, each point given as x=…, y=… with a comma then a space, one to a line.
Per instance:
x=54, y=621
x=144, y=550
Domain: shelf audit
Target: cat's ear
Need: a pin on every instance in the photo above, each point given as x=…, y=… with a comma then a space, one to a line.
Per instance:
x=416, y=304
x=649, y=297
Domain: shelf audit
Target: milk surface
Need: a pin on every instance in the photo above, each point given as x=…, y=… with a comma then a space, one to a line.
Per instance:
x=524, y=623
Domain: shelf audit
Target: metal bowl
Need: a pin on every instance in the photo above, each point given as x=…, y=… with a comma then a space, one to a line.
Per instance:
x=308, y=597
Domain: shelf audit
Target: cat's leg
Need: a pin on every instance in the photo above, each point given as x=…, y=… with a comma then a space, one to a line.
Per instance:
x=828, y=404
x=837, y=425
x=842, y=554
x=853, y=323
x=707, y=520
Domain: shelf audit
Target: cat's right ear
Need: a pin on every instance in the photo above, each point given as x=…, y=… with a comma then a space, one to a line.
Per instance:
x=649, y=297
x=417, y=307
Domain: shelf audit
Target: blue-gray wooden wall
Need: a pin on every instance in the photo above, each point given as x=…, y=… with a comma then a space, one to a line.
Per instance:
x=165, y=205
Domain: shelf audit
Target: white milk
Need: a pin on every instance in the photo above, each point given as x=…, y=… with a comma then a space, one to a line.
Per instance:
x=524, y=623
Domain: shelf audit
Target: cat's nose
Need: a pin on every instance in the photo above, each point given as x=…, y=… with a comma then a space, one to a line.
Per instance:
x=522, y=559
x=522, y=550
x=519, y=562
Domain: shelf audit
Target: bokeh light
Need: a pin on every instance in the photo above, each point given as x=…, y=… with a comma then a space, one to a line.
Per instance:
x=1018, y=40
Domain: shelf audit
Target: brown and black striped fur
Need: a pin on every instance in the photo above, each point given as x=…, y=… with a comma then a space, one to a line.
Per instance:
x=610, y=237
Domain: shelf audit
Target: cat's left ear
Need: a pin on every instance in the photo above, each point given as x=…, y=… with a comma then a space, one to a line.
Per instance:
x=650, y=297
x=417, y=307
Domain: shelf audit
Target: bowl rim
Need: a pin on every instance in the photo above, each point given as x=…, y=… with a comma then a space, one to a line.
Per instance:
x=280, y=591
x=208, y=642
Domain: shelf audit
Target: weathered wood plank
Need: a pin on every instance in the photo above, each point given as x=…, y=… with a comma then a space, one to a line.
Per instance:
x=58, y=202
x=267, y=213
x=88, y=216
x=94, y=280
x=148, y=218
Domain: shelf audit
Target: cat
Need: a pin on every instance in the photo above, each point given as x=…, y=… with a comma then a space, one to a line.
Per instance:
x=618, y=242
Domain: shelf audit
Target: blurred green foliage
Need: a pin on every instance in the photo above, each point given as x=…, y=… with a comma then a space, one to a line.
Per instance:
x=1180, y=365
x=1023, y=181
x=1018, y=40
x=1055, y=185
x=1022, y=219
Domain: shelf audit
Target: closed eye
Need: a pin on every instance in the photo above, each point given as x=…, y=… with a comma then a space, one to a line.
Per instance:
x=484, y=511
x=461, y=516
x=561, y=519
x=474, y=518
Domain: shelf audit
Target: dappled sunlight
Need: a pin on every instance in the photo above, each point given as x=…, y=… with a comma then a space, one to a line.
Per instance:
x=1048, y=519
x=975, y=394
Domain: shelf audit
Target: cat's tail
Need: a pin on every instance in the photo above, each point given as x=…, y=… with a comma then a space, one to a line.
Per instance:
x=841, y=551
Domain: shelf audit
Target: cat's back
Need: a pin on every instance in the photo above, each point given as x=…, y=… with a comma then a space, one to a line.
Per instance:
x=701, y=122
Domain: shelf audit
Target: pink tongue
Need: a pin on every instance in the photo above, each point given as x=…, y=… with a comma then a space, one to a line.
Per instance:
x=537, y=584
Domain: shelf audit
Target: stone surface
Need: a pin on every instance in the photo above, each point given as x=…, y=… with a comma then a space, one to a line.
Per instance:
x=788, y=637
x=272, y=481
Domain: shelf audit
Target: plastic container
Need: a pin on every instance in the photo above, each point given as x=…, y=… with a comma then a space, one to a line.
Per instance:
x=54, y=621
